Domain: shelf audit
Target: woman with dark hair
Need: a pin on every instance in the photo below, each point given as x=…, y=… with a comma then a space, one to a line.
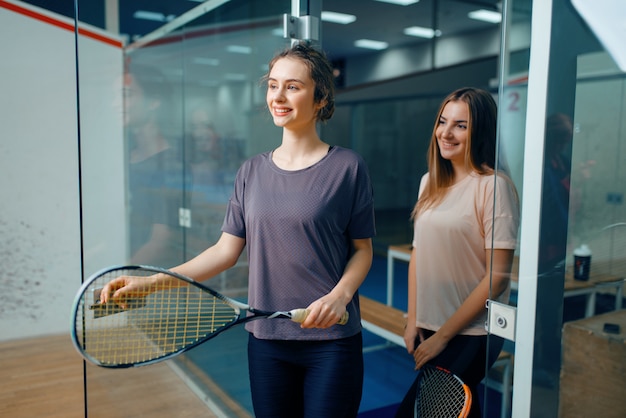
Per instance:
x=465, y=233
x=305, y=213
x=155, y=180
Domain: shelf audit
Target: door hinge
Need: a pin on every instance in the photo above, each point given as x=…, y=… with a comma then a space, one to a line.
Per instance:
x=301, y=27
x=501, y=319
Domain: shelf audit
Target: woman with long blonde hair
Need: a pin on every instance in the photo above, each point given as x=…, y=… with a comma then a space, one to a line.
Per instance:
x=465, y=234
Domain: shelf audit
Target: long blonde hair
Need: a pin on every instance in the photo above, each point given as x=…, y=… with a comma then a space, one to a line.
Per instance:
x=480, y=152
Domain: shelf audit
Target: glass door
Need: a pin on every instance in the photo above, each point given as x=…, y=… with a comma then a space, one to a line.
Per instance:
x=389, y=115
x=512, y=97
x=187, y=91
x=571, y=251
x=183, y=108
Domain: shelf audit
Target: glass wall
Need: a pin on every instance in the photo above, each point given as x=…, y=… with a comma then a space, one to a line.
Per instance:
x=184, y=109
x=513, y=89
x=574, y=121
x=189, y=108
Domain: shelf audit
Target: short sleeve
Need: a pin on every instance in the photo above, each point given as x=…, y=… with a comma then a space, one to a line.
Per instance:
x=501, y=213
x=234, y=219
x=362, y=224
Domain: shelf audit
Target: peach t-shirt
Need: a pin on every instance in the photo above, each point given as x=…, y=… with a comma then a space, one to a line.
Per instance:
x=450, y=242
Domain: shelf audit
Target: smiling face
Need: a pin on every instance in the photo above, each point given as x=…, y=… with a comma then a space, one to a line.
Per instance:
x=452, y=132
x=290, y=95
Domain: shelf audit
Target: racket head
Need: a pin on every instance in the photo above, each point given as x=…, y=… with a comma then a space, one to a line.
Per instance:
x=151, y=328
x=441, y=393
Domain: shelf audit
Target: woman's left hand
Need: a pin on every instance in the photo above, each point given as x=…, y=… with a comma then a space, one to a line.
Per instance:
x=428, y=349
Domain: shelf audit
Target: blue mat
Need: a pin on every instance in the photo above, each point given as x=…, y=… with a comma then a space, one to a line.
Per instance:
x=385, y=412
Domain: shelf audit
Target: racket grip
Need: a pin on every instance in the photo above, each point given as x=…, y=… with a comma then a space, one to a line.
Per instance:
x=299, y=315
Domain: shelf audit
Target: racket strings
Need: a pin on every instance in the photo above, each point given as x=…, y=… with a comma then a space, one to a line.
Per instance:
x=157, y=325
x=440, y=394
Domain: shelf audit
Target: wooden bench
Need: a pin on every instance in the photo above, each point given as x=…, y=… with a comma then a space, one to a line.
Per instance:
x=383, y=320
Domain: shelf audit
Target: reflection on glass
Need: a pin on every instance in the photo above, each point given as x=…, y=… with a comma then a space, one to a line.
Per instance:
x=155, y=180
x=556, y=191
x=212, y=160
x=597, y=214
x=193, y=112
x=581, y=189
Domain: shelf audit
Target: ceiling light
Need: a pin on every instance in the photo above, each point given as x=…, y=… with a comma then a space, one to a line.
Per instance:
x=370, y=44
x=209, y=83
x=486, y=16
x=235, y=77
x=399, y=2
x=239, y=49
x=146, y=15
x=335, y=17
x=421, y=32
x=213, y=62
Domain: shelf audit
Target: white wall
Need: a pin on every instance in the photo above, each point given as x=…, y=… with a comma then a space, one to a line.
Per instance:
x=40, y=245
x=102, y=154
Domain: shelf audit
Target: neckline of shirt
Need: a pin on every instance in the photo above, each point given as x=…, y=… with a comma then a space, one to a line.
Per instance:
x=331, y=149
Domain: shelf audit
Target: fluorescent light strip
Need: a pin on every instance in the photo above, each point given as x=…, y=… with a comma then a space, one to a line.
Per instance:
x=371, y=44
x=235, y=77
x=399, y=2
x=421, y=32
x=213, y=62
x=239, y=49
x=209, y=83
x=486, y=16
x=147, y=15
x=334, y=17
x=153, y=16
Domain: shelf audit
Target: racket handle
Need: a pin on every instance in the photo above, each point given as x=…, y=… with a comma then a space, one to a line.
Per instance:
x=299, y=315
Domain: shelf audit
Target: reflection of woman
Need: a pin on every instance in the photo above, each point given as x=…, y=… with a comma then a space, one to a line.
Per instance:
x=211, y=177
x=465, y=233
x=305, y=212
x=155, y=172
x=556, y=193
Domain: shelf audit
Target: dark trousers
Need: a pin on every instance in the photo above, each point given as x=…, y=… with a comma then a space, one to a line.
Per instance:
x=308, y=379
x=465, y=356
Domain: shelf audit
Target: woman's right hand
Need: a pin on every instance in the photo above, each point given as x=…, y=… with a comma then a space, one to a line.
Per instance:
x=123, y=289
x=410, y=336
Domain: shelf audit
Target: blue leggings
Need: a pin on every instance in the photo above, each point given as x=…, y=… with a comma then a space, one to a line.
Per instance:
x=308, y=379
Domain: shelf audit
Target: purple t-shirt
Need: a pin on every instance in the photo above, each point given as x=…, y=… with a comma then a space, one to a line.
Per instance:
x=298, y=227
